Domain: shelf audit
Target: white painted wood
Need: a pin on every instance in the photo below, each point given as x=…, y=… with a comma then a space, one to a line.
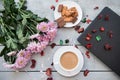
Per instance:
x=56, y=76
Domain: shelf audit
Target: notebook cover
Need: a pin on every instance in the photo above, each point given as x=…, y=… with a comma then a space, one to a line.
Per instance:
x=110, y=57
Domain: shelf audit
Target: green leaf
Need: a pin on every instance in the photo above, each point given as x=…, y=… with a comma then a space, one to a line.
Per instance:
x=24, y=21
x=19, y=32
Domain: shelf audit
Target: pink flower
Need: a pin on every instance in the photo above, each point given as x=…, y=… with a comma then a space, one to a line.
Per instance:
x=52, y=25
x=20, y=62
x=26, y=54
x=12, y=53
x=43, y=27
x=42, y=38
x=34, y=36
x=51, y=34
x=34, y=47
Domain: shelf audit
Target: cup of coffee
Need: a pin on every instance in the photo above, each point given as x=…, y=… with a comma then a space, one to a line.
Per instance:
x=69, y=61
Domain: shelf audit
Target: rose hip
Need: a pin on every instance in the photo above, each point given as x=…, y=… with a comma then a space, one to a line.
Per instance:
x=94, y=31
x=106, y=18
x=48, y=71
x=88, y=46
x=89, y=35
x=76, y=28
x=87, y=54
x=33, y=63
x=110, y=33
x=42, y=53
x=88, y=21
x=53, y=45
x=107, y=47
x=102, y=29
x=96, y=8
x=86, y=72
x=50, y=78
x=88, y=38
x=81, y=30
x=99, y=17
x=52, y=7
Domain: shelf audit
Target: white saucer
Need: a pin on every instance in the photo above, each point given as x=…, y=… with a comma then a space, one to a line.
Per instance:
x=69, y=4
x=56, y=59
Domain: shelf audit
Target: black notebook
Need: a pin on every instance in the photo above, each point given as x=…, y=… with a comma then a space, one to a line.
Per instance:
x=111, y=57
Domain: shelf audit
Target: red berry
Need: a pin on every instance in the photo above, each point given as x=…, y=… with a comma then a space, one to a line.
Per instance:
x=106, y=18
x=53, y=45
x=76, y=46
x=89, y=35
x=96, y=8
x=52, y=7
x=52, y=64
x=33, y=63
x=102, y=29
x=110, y=33
x=107, y=47
x=48, y=71
x=81, y=30
x=86, y=72
x=88, y=21
x=50, y=78
x=87, y=54
x=42, y=53
x=56, y=0
x=76, y=28
x=88, y=38
x=94, y=31
x=99, y=17
x=88, y=46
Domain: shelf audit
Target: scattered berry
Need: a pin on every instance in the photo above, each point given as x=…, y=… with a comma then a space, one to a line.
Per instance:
x=52, y=64
x=99, y=16
x=86, y=72
x=56, y=0
x=106, y=18
x=67, y=41
x=76, y=46
x=87, y=54
x=107, y=47
x=96, y=8
x=88, y=46
x=81, y=30
x=110, y=33
x=94, y=31
x=76, y=28
x=89, y=35
x=53, y=45
x=33, y=63
x=52, y=7
x=49, y=72
x=50, y=78
x=88, y=38
x=102, y=29
x=42, y=53
x=88, y=21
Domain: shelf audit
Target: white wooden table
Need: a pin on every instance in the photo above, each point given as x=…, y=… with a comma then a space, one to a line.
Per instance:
x=98, y=70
